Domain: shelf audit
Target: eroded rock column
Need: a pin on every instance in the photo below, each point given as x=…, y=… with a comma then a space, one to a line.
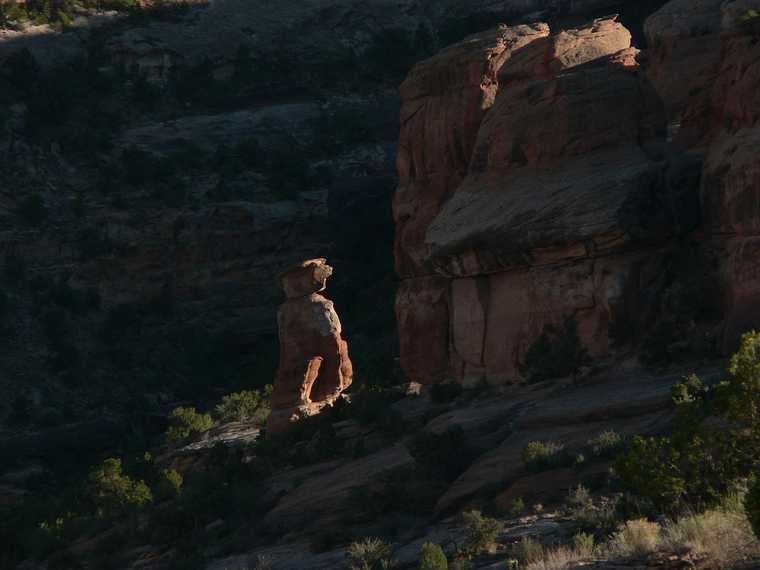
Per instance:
x=314, y=364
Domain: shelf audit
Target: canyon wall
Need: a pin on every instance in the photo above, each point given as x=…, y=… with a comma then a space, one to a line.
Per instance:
x=551, y=174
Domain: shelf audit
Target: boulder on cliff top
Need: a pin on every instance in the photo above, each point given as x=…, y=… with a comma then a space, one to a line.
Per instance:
x=550, y=55
x=307, y=277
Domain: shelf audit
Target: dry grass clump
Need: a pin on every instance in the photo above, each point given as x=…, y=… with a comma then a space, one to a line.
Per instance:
x=635, y=538
x=558, y=558
x=723, y=536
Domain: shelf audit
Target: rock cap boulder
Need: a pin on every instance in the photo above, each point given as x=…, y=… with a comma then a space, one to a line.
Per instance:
x=305, y=278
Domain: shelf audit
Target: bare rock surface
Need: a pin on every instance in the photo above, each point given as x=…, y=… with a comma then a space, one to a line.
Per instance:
x=314, y=364
x=321, y=501
x=561, y=196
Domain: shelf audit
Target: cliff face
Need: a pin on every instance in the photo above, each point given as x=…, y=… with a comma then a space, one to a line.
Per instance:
x=167, y=166
x=546, y=176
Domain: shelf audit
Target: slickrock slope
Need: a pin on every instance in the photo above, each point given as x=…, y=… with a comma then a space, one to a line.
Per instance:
x=561, y=202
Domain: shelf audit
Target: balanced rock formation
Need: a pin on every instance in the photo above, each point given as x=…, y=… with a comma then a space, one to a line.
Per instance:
x=534, y=187
x=314, y=363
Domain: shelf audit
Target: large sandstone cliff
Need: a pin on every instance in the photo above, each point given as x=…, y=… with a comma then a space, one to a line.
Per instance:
x=546, y=175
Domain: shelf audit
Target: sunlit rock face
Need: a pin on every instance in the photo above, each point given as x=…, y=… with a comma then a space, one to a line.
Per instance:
x=314, y=364
x=534, y=186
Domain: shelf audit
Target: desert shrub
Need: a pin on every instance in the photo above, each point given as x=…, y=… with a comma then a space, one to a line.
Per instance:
x=446, y=392
x=442, y=456
x=558, y=558
x=517, y=507
x=185, y=422
x=653, y=469
x=752, y=506
x=716, y=439
x=543, y=455
x=600, y=517
x=584, y=544
x=33, y=210
x=115, y=492
x=528, y=551
x=248, y=405
x=480, y=532
x=557, y=353
x=635, y=538
x=370, y=554
x=722, y=537
x=579, y=497
x=432, y=557
x=169, y=484
x=606, y=444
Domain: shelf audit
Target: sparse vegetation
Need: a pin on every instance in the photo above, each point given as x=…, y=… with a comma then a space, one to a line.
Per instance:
x=528, y=551
x=432, y=557
x=170, y=484
x=370, y=554
x=246, y=406
x=543, y=455
x=185, y=422
x=635, y=538
x=698, y=464
x=517, y=507
x=114, y=492
x=606, y=444
x=480, y=532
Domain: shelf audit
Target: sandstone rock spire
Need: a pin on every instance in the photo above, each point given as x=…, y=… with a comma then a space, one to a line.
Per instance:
x=314, y=364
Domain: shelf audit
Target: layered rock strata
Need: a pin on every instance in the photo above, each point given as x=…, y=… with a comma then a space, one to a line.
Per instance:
x=534, y=186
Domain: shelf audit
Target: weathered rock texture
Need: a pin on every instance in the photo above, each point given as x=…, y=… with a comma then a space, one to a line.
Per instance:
x=547, y=175
x=543, y=196
x=705, y=66
x=314, y=363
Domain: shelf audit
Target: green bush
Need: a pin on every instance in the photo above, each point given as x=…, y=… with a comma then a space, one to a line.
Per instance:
x=246, y=406
x=517, y=507
x=185, y=422
x=750, y=15
x=557, y=353
x=370, y=554
x=697, y=464
x=114, y=492
x=169, y=484
x=480, y=532
x=528, y=551
x=752, y=506
x=606, y=444
x=432, y=557
x=543, y=455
